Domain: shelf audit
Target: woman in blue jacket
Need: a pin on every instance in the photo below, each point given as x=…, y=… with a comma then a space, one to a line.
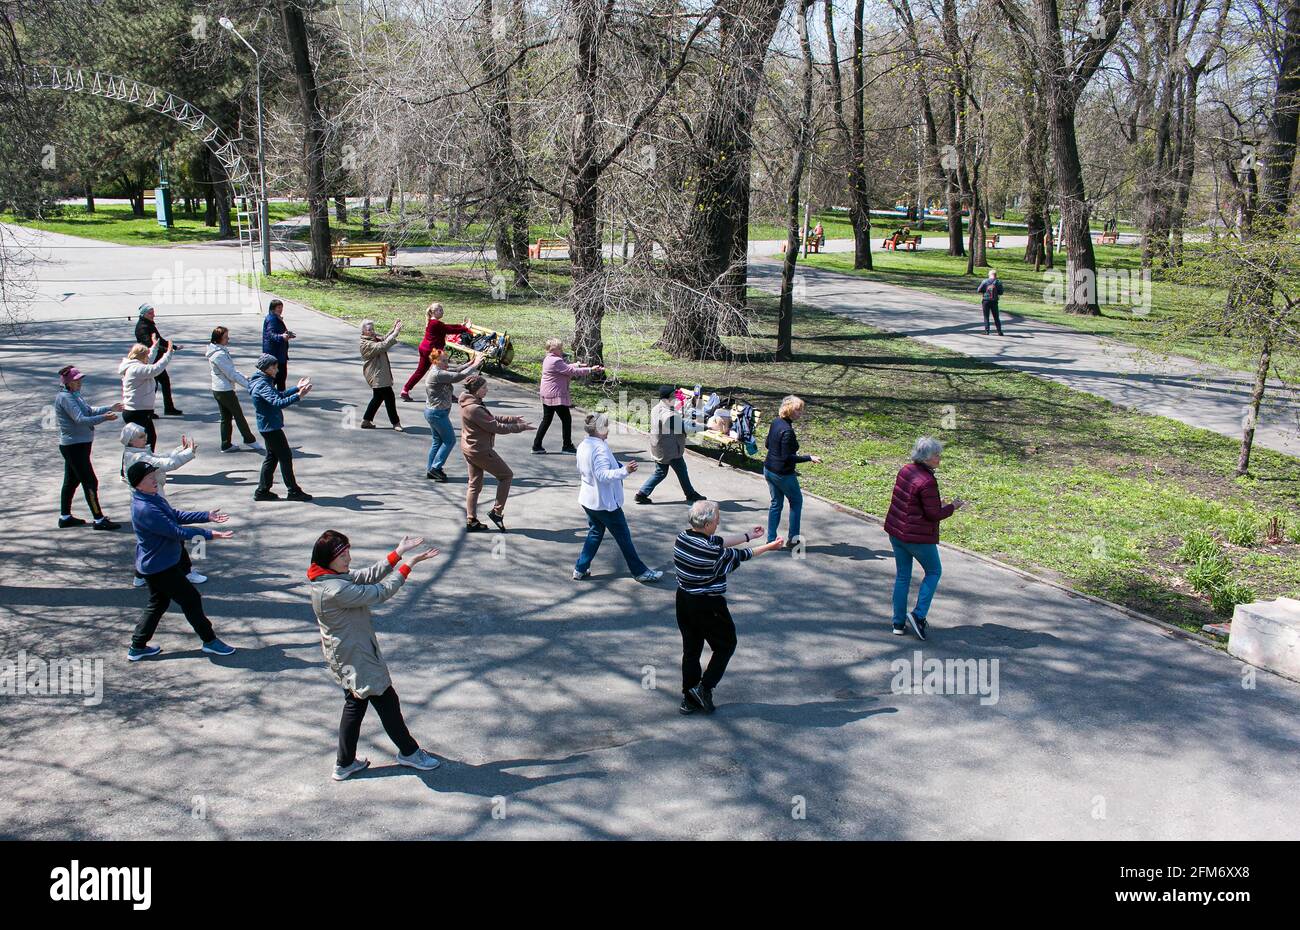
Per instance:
x=779, y=470
x=77, y=421
x=161, y=557
x=269, y=403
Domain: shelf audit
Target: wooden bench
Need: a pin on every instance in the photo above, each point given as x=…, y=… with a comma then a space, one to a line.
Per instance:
x=811, y=244
x=725, y=441
x=342, y=253
x=501, y=359
x=1108, y=238
x=991, y=241
x=543, y=245
x=895, y=242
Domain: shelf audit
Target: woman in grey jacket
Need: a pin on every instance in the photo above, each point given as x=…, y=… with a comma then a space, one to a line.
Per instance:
x=77, y=420
x=341, y=600
x=224, y=378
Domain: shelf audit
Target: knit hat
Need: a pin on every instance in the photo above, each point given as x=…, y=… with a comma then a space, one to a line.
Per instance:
x=666, y=391
x=135, y=474
x=266, y=361
x=145, y=308
x=131, y=432
x=70, y=374
x=475, y=382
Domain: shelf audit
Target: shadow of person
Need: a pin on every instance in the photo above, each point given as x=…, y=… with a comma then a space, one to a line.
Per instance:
x=847, y=551
x=997, y=636
x=819, y=714
x=349, y=502
x=487, y=779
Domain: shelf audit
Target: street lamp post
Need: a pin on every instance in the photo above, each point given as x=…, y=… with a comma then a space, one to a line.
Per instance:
x=264, y=219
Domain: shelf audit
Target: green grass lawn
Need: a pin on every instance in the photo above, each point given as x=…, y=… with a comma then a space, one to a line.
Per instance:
x=1150, y=328
x=1063, y=483
x=116, y=223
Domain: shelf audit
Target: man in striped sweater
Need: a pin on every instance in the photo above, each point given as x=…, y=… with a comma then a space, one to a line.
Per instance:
x=702, y=560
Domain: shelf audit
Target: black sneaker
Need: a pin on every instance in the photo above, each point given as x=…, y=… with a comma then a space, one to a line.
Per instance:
x=918, y=624
x=703, y=697
x=439, y=475
x=260, y=495
x=537, y=450
x=104, y=524
x=642, y=498
x=173, y=413
x=65, y=522
x=430, y=475
x=366, y=424
x=298, y=494
x=498, y=518
x=475, y=526
x=570, y=450
x=687, y=706
x=691, y=499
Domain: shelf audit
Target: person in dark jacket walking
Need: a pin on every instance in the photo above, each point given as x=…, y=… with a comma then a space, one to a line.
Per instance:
x=77, y=421
x=779, y=470
x=269, y=403
x=275, y=340
x=161, y=557
x=912, y=524
x=990, y=290
x=145, y=331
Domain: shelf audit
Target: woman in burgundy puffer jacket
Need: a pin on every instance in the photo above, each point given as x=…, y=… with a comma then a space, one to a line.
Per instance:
x=913, y=527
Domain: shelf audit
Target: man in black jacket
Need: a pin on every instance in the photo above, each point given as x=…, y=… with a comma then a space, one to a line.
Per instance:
x=145, y=330
x=991, y=289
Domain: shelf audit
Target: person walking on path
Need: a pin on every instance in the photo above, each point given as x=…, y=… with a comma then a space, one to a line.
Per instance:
x=275, y=340
x=702, y=561
x=668, y=431
x=990, y=290
x=557, y=372
x=379, y=374
x=437, y=410
x=140, y=386
x=912, y=524
x=435, y=337
x=161, y=556
x=146, y=334
x=341, y=600
x=135, y=448
x=268, y=404
x=779, y=469
x=601, y=496
x=77, y=421
x=478, y=433
x=224, y=378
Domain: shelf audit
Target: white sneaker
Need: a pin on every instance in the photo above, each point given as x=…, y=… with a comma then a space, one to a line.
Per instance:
x=138, y=582
x=344, y=772
x=650, y=577
x=419, y=760
x=255, y=447
x=196, y=578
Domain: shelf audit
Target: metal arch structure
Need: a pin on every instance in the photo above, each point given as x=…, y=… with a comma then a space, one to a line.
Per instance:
x=72, y=79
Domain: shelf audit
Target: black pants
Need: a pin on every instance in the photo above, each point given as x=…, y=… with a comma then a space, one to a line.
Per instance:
x=566, y=421
x=704, y=618
x=282, y=374
x=165, y=587
x=992, y=308
x=385, y=396
x=390, y=715
x=164, y=381
x=277, y=453
x=77, y=471
x=232, y=414
x=145, y=419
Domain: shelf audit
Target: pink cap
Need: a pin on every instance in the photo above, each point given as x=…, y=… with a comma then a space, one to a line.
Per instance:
x=72, y=374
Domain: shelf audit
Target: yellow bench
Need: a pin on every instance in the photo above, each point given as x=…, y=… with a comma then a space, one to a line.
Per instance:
x=342, y=253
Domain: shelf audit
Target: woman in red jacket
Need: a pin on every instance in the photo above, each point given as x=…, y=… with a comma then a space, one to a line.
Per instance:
x=913, y=527
x=435, y=337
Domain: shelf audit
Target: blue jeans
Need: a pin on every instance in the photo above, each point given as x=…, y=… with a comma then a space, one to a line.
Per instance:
x=613, y=520
x=444, y=437
x=661, y=472
x=782, y=487
x=928, y=555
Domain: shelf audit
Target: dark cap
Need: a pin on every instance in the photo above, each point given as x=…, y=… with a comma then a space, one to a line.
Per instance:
x=666, y=391
x=135, y=474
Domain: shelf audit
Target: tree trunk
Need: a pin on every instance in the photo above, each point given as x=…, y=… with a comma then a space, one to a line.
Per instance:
x=341, y=208
x=795, y=233
x=1256, y=399
x=313, y=146
x=585, y=256
x=90, y=197
x=1080, y=260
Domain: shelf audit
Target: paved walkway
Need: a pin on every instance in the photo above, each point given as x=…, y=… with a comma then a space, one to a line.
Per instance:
x=531, y=686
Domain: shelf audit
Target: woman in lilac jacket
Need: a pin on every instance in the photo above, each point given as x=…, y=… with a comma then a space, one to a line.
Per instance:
x=557, y=372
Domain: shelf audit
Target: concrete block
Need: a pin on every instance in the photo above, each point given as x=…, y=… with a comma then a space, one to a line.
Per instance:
x=1267, y=634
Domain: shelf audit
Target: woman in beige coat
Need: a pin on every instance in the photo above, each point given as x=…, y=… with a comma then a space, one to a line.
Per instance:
x=379, y=373
x=341, y=600
x=478, y=432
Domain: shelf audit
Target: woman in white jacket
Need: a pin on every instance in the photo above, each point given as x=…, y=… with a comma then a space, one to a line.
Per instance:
x=224, y=378
x=139, y=389
x=135, y=448
x=601, y=496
